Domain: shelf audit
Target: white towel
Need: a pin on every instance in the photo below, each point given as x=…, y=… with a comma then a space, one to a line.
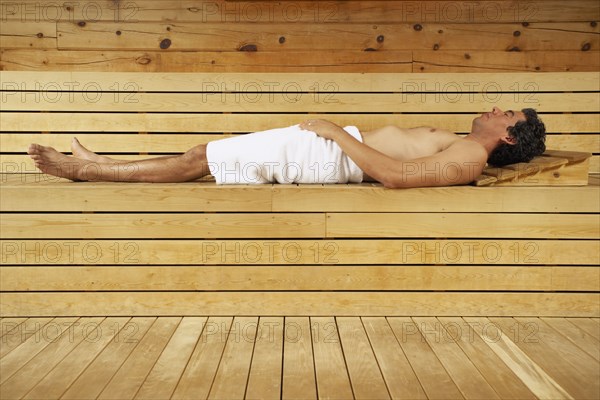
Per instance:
x=283, y=155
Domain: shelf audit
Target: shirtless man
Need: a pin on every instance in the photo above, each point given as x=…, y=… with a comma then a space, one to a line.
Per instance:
x=395, y=157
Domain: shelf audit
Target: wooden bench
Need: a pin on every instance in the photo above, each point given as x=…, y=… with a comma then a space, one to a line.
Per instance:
x=195, y=248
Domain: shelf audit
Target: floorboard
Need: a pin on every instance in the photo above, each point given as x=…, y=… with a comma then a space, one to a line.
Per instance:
x=163, y=378
x=576, y=335
x=399, y=376
x=465, y=375
x=198, y=377
x=264, y=381
x=18, y=333
x=298, y=362
x=432, y=375
x=589, y=325
x=365, y=374
x=232, y=375
x=299, y=357
x=98, y=374
x=96, y=338
x=132, y=374
x=333, y=381
x=30, y=374
x=498, y=375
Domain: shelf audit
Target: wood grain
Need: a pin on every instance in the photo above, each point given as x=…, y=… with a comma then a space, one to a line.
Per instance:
x=234, y=36
x=19, y=193
x=208, y=61
x=302, y=303
x=98, y=374
x=495, y=61
x=305, y=11
x=289, y=278
x=178, y=83
x=298, y=377
x=304, y=225
x=64, y=374
x=300, y=251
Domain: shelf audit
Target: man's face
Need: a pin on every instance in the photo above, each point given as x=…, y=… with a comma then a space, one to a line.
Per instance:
x=496, y=122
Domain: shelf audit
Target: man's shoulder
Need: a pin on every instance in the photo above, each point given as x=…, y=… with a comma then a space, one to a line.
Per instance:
x=464, y=154
x=469, y=147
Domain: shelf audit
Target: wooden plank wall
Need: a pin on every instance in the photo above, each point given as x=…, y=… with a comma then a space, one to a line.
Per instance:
x=127, y=114
x=307, y=36
x=300, y=36
x=196, y=248
x=55, y=38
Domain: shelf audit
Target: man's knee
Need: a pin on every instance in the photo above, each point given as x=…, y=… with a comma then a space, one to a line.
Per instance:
x=196, y=154
x=195, y=164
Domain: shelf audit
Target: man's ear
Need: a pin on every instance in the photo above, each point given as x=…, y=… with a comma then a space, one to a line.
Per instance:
x=508, y=139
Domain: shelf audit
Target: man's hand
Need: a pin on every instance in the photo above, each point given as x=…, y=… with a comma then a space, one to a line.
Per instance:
x=322, y=127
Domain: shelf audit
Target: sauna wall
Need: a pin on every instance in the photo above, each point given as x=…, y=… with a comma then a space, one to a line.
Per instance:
x=299, y=36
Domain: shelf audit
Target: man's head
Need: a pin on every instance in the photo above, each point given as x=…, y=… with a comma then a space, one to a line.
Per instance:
x=520, y=135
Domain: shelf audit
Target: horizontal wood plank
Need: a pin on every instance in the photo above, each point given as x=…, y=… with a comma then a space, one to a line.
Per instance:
x=232, y=36
x=464, y=225
x=180, y=197
x=301, y=303
x=39, y=35
x=169, y=82
x=41, y=193
x=292, y=278
x=305, y=11
x=83, y=123
x=299, y=252
x=304, y=102
x=454, y=199
x=573, y=142
x=396, y=61
x=500, y=61
x=302, y=225
x=230, y=225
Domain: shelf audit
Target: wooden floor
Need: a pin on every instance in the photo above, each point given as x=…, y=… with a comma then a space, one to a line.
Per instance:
x=300, y=357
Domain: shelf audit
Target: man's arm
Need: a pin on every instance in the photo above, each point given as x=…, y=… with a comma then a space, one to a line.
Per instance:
x=459, y=164
x=453, y=166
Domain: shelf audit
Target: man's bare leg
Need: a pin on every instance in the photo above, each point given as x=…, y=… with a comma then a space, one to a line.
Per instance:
x=188, y=166
x=80, y=151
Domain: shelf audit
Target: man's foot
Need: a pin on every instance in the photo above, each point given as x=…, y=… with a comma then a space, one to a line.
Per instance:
x=81, y=152
x=51, y=162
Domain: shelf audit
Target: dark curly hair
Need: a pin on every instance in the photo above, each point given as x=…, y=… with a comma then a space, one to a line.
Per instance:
x=530, y=135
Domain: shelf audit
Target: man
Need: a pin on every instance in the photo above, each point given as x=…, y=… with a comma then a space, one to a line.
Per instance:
x=319, y=151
